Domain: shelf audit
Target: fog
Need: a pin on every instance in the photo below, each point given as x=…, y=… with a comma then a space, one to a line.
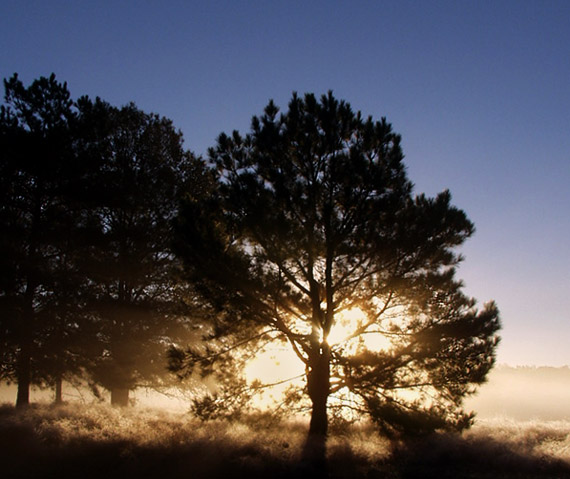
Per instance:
x=73, y=441
x=524, y=394
x=521, y=431
x=513, y=393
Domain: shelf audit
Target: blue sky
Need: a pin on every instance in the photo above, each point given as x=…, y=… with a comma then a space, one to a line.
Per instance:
x=479, y=91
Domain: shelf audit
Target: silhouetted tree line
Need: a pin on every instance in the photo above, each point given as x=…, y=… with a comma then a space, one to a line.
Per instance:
x=88, y=285
x=117, y=242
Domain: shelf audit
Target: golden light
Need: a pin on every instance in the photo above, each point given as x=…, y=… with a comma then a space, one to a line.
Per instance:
x=349, y=321
x=275, y=363
x=278, y=363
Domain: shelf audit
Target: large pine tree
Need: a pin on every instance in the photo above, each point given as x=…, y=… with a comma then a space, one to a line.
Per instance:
x=313, y=216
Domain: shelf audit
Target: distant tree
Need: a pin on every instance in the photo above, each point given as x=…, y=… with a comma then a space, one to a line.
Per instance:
x=37, y=168
x=136, y=300
x=312, y=216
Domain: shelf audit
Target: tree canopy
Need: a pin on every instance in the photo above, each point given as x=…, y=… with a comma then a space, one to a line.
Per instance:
x=136, y=299
x=88, y=283
x=311, y=215
x=305, y=232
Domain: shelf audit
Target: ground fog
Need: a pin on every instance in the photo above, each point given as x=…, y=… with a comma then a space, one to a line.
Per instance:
x=77, y=440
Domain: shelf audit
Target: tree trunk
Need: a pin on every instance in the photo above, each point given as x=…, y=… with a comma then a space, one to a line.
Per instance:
x=120, y=397
x=58, y=390
x=25, y=339
x=318, y=384
x=319, y=420
x=23, y=376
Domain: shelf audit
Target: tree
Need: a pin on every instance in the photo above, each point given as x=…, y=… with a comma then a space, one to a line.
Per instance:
x=136, y=300
x=313, y=216
x=35, y=164
x=87, y=279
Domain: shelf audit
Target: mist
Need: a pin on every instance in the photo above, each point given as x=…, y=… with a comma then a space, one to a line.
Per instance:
x=76, y=440
x=524, y=393
x=521, y=430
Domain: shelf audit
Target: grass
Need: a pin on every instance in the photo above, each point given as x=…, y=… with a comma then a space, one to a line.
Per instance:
x=102, y=442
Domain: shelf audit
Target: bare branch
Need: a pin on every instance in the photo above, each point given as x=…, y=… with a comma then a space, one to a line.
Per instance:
x=270, y=385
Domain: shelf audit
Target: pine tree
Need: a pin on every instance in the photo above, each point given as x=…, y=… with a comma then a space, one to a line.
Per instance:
x=137, y=303
x=88, y=282
x=36, y=170
x=313, y=216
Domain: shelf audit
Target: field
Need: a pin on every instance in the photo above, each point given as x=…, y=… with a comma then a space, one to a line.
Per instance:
x=98, y=441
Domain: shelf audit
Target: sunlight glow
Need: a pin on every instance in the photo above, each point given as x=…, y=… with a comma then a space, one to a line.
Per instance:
x=347, y=323
x=278, y=363
x=275, y=365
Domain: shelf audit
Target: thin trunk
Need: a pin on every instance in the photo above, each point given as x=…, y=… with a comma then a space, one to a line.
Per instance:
x=23, y=376
x=58, y=390
x=26, y=335
x=120, y=397
x=26, y=320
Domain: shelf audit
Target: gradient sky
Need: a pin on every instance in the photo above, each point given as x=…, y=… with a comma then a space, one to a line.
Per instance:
x=479, y=91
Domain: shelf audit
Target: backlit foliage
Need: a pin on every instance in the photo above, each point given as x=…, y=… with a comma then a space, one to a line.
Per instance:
x=312, y=216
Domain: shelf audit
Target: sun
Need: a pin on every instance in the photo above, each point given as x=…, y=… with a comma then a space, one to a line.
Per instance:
x=347, y=323
x=277, y=364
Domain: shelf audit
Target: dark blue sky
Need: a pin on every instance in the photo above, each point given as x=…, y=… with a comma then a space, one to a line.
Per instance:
x=479, y=90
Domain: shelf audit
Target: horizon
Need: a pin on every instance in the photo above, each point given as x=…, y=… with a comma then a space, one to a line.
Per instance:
x=514, y=393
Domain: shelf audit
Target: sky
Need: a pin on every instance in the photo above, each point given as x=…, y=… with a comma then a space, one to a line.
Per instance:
x=479, y=91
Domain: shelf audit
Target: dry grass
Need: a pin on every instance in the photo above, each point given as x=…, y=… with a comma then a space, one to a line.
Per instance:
x=100, y=441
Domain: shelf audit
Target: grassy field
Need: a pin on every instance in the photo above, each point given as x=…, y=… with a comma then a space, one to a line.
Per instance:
x=77, y=441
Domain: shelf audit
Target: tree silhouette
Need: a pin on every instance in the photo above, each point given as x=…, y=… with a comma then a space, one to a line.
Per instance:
x=37, y=176
x=88, y=282
x=136, y=301
x=312, y=216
